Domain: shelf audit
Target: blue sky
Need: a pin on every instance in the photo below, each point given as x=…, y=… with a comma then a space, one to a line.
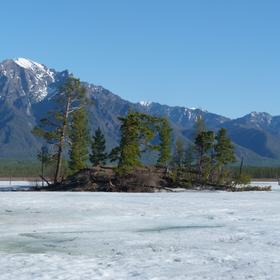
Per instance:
x=219, y=55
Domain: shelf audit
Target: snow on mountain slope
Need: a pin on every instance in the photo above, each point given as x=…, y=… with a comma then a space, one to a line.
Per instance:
x=43, y=77
x=38, y=68
x=27, y=63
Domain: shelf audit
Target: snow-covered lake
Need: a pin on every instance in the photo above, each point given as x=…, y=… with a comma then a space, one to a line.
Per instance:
x=191, y=235
x=18, y=185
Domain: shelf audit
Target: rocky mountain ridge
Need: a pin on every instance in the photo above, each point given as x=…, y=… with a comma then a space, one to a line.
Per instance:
x=27, y=88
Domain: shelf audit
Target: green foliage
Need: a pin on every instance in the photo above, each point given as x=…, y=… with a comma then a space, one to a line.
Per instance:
x=54, y=128
x=242, y=179
x=138, y=132
x=179, y=156
x=204, y=144
x=205, y=162
x=79, y=141
x=129, y=145
x=224, y=149
x=189, y=156
x=44, y=156
x=164, y=146
x=259, y=172
x=199, y=127
x=98, y=147
x=224, y=154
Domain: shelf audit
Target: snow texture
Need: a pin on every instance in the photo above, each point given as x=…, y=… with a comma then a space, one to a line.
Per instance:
x=18, y=185
x=42, y=75
x=190, y=235
x=145, y=103
x=28, y=64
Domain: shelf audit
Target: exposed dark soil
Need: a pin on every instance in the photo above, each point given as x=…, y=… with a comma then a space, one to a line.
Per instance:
x=141, y=179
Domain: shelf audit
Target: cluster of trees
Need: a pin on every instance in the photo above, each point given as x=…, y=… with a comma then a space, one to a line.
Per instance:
x=65, y=129
x=206, y=161
x=139, y=133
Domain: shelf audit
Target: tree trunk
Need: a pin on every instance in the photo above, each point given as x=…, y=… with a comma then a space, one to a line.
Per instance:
x=61, y=143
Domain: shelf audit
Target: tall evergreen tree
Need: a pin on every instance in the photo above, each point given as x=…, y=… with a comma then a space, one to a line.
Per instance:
x=70, y=98
x=199, y=126
x=165, y=141
x=98, y=147
x=79, y=141
x=138, y=130
x=224, y=152
x=129, y=145
x=224, y=149
x=204, y=144
x=179, y=154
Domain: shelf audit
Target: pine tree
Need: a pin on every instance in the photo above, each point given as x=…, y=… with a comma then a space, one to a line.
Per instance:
x=129, y=146
x=79, y=141
x=224, y=152
x=53, y=128
x=164, y=146
x=204, y=144
x=179, y=154
x=138, y=132
x=98, y=155
x=224, y=149
x=199, y=126
x=189, y=156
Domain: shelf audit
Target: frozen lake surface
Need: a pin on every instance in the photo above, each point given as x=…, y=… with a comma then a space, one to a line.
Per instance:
x=18, y=185
x=191, y=235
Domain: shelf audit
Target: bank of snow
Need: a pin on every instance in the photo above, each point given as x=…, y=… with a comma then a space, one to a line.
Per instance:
x=192, y=235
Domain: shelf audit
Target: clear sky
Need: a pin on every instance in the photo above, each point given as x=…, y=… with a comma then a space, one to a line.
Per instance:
x=219, y=55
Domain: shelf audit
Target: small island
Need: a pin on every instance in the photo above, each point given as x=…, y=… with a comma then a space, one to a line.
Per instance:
x=150, y=157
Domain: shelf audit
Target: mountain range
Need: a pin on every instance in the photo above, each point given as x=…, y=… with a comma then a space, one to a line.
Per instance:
x=26, y=94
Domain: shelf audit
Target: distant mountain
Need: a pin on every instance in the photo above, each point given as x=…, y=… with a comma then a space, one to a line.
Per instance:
x=26, y=94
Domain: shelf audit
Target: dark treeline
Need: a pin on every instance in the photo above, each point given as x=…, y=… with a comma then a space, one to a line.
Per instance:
x=21, y=168
x=31, y=168
x=260, y=172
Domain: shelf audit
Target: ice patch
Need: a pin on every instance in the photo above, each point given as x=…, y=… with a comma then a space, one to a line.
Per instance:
x=178, y=236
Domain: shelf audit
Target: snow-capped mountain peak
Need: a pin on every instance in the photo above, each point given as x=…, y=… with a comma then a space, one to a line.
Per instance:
x=145, y=103
x=28, y=79
x=38, y=78
x=260, y=117
x=28, y=63
x=39, y=69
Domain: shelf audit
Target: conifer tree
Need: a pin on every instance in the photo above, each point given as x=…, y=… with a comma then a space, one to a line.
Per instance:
x=54, y=128
x=164, y=146
x=129, y=146
x=98, y=155
x=204, y=144
x=79, y=141
x=179, y=154
x=224, y=151
x=138, y=130
x=199, y=126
